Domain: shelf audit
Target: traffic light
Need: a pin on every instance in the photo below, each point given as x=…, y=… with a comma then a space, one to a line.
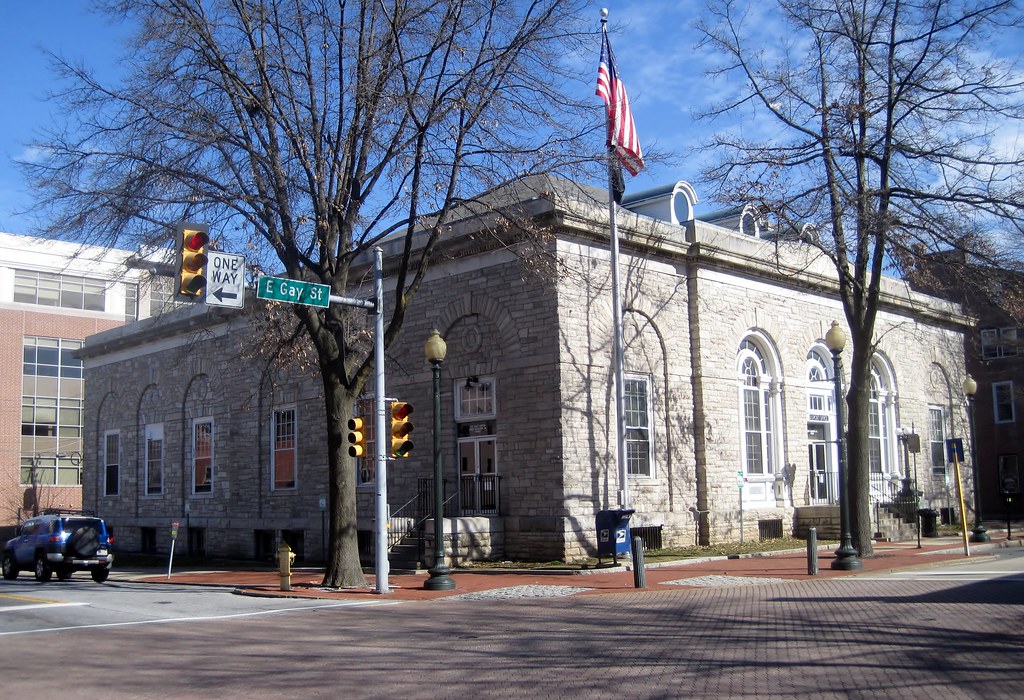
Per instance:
x=401, y=429
x=357, y=437
x=192, y=240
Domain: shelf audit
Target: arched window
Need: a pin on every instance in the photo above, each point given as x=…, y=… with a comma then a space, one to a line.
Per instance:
x=758, y=410
x=881, y=419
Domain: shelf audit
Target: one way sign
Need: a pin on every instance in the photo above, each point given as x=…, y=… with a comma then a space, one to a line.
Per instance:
x=225, y=284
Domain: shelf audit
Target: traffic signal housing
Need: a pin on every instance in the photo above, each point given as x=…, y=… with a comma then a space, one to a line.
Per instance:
x=401, y=429
x=357, y=437
x=192, y=241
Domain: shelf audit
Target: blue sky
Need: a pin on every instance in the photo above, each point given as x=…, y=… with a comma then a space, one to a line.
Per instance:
x=653, y=44
x=66, y=27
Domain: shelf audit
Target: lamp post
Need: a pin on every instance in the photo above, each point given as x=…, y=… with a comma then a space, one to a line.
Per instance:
x=440, y=580
x=846, y=556
x=979, y=534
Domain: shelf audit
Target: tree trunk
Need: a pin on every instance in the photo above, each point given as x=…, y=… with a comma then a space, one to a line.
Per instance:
x=858, y=470
x=343, y=566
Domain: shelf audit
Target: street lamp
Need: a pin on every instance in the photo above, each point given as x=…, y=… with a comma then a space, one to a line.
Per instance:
x=846, y=556
x=440, y=580
x=979, y=534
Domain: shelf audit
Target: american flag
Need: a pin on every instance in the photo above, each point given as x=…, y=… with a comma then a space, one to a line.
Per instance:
x=621, y=130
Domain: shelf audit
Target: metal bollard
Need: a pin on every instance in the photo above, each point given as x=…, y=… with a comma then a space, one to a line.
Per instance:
x=812, y=551
x=639, y=575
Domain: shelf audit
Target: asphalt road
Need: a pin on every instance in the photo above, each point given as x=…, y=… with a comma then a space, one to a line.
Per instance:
x=911, y=634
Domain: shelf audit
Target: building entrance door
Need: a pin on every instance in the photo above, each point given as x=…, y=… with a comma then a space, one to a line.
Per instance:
x=478, y=468
x=823, y=480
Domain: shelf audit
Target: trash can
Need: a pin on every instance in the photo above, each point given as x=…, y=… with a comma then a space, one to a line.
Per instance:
x=613, y=532
x=929, y=522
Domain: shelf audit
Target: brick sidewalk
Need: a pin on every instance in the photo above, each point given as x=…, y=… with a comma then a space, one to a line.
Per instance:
x=659, y=576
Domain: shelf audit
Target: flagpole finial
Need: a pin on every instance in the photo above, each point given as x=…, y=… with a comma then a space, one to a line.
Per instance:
x=604, y=14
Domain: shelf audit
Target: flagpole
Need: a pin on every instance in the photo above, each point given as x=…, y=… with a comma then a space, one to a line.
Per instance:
x=617, y=352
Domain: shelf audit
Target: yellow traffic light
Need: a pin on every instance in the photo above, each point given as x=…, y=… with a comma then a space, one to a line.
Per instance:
x=192, y=240
x=357, y=437
x=401, y=429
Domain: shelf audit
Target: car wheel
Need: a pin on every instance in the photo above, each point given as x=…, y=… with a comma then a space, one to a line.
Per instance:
x=63, y=574
x=100, y=575
x=43, y=570
x=10, y=570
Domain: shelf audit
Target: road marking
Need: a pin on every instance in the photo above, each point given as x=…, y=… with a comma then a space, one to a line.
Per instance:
x=12, y=596
x=19, y=608
x=202, y=618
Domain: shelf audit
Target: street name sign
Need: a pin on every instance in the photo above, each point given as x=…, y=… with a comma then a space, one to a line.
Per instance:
x=225, y=276
x=293, y=291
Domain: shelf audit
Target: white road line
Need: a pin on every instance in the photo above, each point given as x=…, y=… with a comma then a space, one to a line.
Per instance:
x=18, y=608
x=204, y=618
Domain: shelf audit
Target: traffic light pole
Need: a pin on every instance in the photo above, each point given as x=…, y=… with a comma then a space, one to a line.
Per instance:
x=380, y=457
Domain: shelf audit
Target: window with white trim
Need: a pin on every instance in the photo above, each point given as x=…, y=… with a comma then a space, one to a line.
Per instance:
x=1002, y=402
x=881, y=411
x=284, y=456
x=636, y=396
x=937, y=440
x=55, y=289
x=111, y=463
x=756, y=410
x=154, y=464
x=999, y=342
x=475, y=398
x=202, y=456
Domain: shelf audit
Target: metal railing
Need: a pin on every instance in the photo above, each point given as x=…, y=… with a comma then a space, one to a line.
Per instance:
x=823, y=488
x=480, y=494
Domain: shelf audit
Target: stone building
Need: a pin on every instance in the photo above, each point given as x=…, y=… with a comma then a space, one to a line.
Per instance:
x=729, y=411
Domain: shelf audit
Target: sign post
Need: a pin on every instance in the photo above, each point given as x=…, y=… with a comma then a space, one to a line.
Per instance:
x=955, y=454
x=174, y=538
x=314, y=294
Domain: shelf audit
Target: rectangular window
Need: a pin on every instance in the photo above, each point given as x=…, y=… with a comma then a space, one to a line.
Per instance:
x=637, y=418
x=284, y=457
x=1002, y=399
x=475, y=398
x=998, y=342
x=161, y=295
x=154, y=459
x=366, y=468
x=51, y=411
x=55, y=289
x=202, y=456
x=131, y=302
x=937, y=440
x=111, y=463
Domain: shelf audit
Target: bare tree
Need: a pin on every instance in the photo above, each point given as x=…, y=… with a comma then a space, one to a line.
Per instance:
x=887, y=118
x=311, y=130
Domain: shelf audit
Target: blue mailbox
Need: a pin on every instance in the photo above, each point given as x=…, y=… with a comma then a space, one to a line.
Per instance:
x=613, y=532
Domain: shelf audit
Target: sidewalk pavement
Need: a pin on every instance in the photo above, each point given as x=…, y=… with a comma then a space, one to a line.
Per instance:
x=512, y=583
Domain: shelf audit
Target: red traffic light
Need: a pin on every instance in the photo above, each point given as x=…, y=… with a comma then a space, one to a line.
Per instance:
x=400, y=410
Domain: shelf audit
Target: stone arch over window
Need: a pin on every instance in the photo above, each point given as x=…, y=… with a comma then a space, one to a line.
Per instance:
x=758, y=377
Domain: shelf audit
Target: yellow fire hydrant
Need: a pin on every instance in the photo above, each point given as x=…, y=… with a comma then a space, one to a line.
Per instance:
x=285, y=558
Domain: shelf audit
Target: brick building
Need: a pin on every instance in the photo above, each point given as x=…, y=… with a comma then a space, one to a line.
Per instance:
x=995, y=359
x=730, y=419
x=52, y=296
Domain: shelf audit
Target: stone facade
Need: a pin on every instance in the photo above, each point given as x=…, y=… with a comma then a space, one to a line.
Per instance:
x=538, y=463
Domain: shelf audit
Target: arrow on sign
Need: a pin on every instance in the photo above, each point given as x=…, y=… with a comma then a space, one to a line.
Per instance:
x=221, y=294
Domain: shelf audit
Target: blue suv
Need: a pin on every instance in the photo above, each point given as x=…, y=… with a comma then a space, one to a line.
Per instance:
x=60, y=542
